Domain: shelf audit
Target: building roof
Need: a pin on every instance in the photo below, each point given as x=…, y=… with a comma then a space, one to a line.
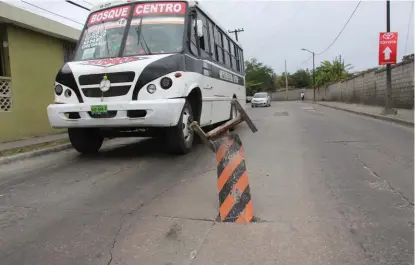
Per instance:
x=25, y=19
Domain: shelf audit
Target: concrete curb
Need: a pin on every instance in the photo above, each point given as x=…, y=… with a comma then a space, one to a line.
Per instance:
x=10, y=159
x=375, y=116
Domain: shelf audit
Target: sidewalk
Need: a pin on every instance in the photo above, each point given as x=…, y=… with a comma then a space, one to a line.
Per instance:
x=32, y=141
x=404, y=116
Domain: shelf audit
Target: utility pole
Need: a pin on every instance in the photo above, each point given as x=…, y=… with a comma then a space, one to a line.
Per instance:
x=235, y=31
x=388, y=100
x=314, y=79
x=314, y=73
x=286, y=81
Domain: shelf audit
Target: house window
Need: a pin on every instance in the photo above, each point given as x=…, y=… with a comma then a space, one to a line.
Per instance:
x=2, y=60
x=5, y=81
x=68, y=51
x=5, y=94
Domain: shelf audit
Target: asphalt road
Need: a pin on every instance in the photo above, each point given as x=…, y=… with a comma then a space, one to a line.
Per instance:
x=328, y=187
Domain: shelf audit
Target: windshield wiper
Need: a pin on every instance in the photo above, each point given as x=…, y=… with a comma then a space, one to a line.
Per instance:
x=106, y=40
x=138, y=30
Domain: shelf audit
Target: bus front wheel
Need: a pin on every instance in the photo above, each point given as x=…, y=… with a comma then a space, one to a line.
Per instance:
x=180, y=137
x=85, y=140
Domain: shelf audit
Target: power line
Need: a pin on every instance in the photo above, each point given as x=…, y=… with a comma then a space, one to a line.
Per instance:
x=51, y=12
x=298, y=10
x=307, y=60
x=89, y=3
x=347, y=22
x=345, y=25
x=77, y=5
x=285, y=21
x=409, y=27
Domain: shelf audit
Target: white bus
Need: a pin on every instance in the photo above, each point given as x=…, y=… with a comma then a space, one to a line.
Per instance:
x=147, y=69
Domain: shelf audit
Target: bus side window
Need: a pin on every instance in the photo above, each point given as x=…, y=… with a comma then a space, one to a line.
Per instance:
x=212, y=41
x=218, y=45
x=226, y=51
x=234, y=57
x=192, y=36
x=242, y=62
x=203, y=35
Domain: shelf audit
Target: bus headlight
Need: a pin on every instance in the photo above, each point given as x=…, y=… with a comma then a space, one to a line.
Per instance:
x=58, y=90
x=68, y=93
x=151, y=88
x=166, y=83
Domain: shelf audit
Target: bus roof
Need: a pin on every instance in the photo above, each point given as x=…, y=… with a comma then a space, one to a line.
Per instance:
x=192, y=3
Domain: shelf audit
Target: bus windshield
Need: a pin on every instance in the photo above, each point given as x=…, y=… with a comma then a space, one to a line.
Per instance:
x=153, y=28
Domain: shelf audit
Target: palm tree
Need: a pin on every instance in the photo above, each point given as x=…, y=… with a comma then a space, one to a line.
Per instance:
x=329, y=72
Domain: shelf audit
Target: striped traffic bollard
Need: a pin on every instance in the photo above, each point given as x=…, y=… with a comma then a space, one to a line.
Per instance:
x=234, y=193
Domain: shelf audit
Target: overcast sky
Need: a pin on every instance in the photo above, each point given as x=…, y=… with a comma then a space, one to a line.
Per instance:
x=275, y=31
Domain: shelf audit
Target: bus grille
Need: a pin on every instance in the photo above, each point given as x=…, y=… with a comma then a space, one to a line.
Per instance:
x=114, y=91
x=95, y=79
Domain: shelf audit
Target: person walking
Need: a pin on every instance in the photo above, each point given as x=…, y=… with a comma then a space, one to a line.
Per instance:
x=302, y=96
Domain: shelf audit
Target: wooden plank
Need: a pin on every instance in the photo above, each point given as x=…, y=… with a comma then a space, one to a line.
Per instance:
x=202, y=135
x=245, y=116
x=224, y=127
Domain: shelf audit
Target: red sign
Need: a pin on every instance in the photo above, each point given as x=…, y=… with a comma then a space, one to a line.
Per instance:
x=160, y=8
x=113, y=61
x=109, y=14
x=388, y=47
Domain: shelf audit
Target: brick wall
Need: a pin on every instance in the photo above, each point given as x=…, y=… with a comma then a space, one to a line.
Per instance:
x=369, y=87
x=294, y=94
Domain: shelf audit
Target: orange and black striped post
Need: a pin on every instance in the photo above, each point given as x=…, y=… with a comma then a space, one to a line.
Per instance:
x=234, y=192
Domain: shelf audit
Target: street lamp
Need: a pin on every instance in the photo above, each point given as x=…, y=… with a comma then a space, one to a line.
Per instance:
x=314, y=74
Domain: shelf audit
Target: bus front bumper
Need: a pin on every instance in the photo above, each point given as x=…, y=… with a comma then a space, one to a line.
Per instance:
x=145, y=113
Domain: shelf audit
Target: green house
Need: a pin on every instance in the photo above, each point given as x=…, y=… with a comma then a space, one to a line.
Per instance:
x=32, y=50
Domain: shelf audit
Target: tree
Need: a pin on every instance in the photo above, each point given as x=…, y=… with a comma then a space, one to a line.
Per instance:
x=252, y=87
x=329, y=72
x=259, y=77
x=291, y=82
x=302, y=78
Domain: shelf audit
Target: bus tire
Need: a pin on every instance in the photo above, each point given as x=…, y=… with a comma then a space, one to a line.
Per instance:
x=180, y=137
x=85, y=140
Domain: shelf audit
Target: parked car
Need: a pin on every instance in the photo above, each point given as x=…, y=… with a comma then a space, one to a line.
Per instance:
x=248, y=99
x=261, y=99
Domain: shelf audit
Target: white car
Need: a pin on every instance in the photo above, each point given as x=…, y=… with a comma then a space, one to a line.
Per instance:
x=261, y=99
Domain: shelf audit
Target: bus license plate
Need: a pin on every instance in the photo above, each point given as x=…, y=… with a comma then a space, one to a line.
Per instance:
x=99, y=109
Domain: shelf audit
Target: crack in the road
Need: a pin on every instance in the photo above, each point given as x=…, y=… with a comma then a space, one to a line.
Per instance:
x=197, y=250
x=187, y=218
x=366, y=166
x=391, y=188
x=114, y=242
x=343, y=141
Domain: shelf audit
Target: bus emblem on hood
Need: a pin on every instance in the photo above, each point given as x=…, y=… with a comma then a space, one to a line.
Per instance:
x=108, y=62
x=105, y=84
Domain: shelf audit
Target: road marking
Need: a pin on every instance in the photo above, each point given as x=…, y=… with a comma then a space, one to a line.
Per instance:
x=307, y=108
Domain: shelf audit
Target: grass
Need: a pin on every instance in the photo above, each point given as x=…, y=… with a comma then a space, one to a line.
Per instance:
x=34, y=147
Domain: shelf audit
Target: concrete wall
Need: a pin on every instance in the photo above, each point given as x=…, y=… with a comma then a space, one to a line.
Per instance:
x=34, y=61
x=294, y=94
x=369, y=88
